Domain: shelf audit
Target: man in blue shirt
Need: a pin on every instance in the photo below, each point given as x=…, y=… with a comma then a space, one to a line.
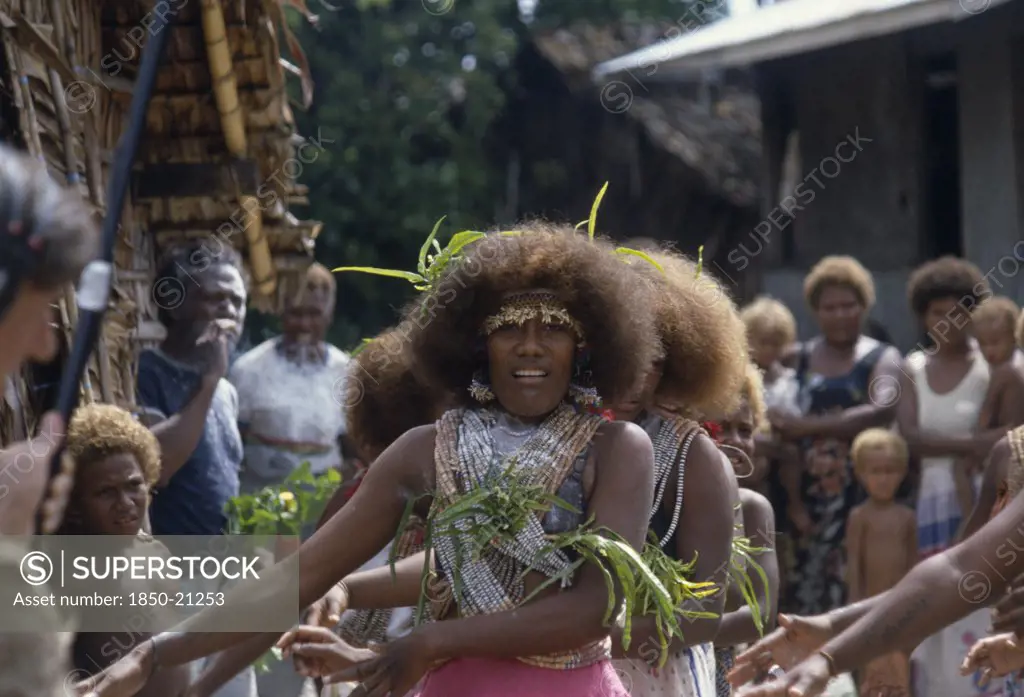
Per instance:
x=201, y=298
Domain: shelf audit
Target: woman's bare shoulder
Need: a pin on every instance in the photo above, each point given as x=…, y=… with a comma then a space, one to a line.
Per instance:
x=755, y=505
x=617, y=435
x=411, y=451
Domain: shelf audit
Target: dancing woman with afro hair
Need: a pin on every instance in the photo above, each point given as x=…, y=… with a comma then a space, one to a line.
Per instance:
x=701, y=370
x=527, y=331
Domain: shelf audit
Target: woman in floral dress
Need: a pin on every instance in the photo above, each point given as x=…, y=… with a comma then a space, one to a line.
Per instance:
x=848, y=382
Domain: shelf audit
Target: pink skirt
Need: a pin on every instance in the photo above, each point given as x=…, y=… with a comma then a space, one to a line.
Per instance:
x=483, y=677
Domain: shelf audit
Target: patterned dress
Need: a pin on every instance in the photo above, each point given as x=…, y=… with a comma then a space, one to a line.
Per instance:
x=816, y=567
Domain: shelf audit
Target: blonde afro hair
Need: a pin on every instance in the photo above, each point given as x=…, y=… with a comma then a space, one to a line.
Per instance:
x=702, y=335
x=768, y=317
x=998, y=308
x=879, y=439
x=843, y=271
x=598, y=290
x=98, y=431
x=753, y=393
x=383, y=397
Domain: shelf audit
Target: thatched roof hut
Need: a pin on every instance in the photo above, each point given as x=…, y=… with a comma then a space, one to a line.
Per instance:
x=219, y=159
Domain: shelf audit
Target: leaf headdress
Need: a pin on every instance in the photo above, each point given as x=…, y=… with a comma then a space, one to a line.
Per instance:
x=430, y=267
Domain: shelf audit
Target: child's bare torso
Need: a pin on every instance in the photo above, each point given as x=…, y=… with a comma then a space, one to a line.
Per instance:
x=887, y=556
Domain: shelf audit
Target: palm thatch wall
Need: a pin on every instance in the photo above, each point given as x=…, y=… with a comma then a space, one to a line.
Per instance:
x=66, y=74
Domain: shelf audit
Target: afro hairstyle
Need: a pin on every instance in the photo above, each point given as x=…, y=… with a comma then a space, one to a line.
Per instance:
x=702, y=336
x=946, y=277
x=598, y=290
x=386, y=398
x=97, y=431
x=843, y=271
x=879, y=439
x=770, y=318
x=753, y=392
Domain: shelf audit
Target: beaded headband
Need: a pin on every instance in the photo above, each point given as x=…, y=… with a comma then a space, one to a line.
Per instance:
x=519, y=308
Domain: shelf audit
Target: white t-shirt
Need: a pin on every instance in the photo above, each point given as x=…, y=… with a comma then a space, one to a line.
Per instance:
x=289, y=413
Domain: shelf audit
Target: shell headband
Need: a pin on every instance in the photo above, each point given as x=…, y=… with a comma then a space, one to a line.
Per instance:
x=519, y=308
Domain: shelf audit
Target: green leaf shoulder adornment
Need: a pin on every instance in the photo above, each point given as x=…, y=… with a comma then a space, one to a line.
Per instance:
x=741, y=563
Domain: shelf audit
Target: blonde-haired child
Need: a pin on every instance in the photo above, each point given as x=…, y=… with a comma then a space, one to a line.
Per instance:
x=771, y=330
x=995, y=323
x=881, y=540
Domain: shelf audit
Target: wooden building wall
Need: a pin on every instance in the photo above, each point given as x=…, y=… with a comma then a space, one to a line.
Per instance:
x=565, y=145
x=859, y=102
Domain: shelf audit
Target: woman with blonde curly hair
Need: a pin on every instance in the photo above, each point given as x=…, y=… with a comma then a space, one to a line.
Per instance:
x=848, y=382
x=553, y=321
x=701, y=371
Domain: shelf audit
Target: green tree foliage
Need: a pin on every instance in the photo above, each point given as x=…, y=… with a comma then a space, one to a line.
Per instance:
x=406, y=94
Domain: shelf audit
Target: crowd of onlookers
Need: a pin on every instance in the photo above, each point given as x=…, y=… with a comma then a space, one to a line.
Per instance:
x=943, y=405
x=874, y=459
x=845, y=531
x=172, y=468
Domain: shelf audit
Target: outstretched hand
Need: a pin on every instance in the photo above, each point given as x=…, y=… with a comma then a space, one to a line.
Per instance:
x=395, y=672
x=326, y=612
x=994, y=656
x=806, y=679
x=318, y=652
x=795, y=639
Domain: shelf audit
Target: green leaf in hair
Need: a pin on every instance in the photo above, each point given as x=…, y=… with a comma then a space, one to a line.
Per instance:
x=626, y=251
x=700, y=260
x=422, y=267
x=592, y=222
x=430, y=267
x=361, y=347
x=393, y=273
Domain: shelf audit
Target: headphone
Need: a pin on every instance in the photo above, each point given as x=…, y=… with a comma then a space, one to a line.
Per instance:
x=20, y=252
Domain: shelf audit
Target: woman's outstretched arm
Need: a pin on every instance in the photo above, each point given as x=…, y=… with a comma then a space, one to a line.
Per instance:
x=369, y=590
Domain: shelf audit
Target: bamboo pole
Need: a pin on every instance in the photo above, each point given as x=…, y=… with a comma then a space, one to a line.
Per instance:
x=225, y=91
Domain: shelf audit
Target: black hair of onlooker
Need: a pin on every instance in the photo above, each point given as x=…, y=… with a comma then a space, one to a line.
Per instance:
x=943, y=278
x=182, y=264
